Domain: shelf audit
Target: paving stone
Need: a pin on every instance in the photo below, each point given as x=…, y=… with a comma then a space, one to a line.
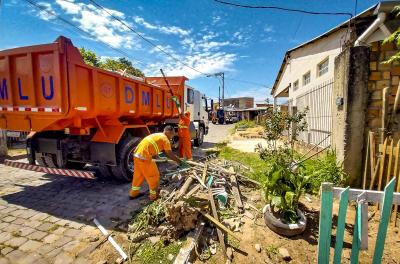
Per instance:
x=33, y=258
x=63, y=258
x=59, y=231
x=79, y=260
x=40, y=217
x=72, y=232
x=75, y=225
x=19, y=221
x=26, y=231
x=27, y=214
x=5, y=236
x=51, y=238
x=17, y=213
x=72, y=246
x=45, y=249
x=4, y=260
x=33, y=223
x=62, y=241
x=6, y=250
x=12, y=228
x=16, y=241
x=37, y=235
x=63, y=222
x=45, y=227
x=8, y=210
x=53, y=219
x=54, y=253
x=8, y=219
x=16, y=256
x=3, y=225
x=30, y=245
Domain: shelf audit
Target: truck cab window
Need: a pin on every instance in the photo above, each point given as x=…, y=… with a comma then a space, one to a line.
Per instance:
x=190, y=96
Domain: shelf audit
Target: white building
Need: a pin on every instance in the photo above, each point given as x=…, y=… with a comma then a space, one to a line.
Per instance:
x=305, y=78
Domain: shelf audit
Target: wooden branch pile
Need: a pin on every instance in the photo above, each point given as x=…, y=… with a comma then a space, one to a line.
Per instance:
x=196, y=196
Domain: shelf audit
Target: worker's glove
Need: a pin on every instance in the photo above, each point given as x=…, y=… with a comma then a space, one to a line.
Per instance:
x=183, y=164
x=176, y=101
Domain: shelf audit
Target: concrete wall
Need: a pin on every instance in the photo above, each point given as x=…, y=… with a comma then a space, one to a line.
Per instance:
x=307, y=59
x=350, y=95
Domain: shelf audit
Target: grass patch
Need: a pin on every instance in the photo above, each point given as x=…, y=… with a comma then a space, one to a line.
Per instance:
x=251, y=160
x=156, y=253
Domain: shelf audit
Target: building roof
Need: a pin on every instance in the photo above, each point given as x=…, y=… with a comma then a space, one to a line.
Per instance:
x=385, y=6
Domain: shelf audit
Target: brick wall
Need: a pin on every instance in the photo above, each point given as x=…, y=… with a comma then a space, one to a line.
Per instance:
x=381, y=76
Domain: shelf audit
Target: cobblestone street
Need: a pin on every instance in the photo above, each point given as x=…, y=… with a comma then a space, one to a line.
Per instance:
x=49, y=218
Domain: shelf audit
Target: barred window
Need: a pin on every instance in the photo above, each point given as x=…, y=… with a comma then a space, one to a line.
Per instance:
x=306, y=78
x=323, y=67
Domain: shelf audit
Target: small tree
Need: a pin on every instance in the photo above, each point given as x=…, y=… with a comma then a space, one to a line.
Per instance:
x=116, y=65
x=284, y=182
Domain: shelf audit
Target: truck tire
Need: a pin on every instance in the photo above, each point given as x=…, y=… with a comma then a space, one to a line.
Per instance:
x=200, y=137
x=41, y=162
x=124, y=169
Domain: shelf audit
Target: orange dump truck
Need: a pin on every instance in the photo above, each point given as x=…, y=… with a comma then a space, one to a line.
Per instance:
x=80, y=114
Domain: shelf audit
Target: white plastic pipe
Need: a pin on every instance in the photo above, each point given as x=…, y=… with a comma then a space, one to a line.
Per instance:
x=371, y=29
x=110, y=239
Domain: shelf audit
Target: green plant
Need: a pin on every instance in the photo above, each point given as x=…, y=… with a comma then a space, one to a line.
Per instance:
x=284, y=181
x=324, y=169
x=394, y=38
x=245, y=124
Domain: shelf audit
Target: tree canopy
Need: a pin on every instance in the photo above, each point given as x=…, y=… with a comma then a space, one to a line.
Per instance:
x=120, y=64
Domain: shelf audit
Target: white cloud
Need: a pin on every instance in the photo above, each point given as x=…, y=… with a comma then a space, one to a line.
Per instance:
x=99, y=23
x=268, y=39
x=47, y=13
x=169, y=30
x=215, y=19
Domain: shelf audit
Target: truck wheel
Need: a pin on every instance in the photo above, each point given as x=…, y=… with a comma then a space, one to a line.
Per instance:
x=200, y=137
x=41, y=162
x=124, y=169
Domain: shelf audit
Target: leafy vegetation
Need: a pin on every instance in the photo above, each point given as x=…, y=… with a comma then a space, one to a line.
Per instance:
x=245, y=124
x=157, y=253
x=324, y=169
x=251, y=160
x=116, y=65
x=394, y=38
x=152, y=214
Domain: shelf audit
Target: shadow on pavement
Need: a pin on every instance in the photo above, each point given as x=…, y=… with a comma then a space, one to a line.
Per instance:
x=79, y=200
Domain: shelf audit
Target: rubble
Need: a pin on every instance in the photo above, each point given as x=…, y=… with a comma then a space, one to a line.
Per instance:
x=207, y=192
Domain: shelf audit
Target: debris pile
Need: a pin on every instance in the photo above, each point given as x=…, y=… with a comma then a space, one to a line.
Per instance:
x=201, y=202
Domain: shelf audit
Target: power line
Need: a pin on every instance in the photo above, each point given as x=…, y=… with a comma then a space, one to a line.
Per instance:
x=146, y=39
x=53, y=14
x=49, y=12
x=286, y=9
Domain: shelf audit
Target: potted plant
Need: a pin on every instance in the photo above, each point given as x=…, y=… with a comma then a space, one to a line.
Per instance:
x=285, y=180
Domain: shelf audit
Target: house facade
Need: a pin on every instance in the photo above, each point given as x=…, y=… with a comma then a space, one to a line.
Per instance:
x=338, y=79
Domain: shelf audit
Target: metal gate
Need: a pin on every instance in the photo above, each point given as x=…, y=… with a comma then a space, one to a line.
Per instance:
x=318, y=101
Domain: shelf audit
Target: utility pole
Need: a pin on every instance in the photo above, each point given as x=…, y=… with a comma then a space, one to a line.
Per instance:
x=223, y=90
x=219, y=96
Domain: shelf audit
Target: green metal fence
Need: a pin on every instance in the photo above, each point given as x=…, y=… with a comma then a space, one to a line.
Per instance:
x=384, y=198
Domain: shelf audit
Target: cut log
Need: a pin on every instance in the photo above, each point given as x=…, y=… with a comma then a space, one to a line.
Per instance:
x=185, y=187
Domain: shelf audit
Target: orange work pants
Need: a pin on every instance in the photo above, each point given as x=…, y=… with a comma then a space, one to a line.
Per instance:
x=185, y=148
x=145, y=169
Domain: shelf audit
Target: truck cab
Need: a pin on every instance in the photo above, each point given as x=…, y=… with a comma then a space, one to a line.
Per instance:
x=196, y=104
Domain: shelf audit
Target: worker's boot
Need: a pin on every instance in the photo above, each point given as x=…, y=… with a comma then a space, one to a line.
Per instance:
x=154, y=195
x=134, y=193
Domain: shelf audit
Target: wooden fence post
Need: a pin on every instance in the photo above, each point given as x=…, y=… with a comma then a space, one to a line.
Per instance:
x=384, y=221
x=344, y=201
x=325, y=223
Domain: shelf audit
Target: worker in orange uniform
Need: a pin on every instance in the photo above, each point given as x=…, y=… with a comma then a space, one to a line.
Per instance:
x=185, y=144
x=145, y=168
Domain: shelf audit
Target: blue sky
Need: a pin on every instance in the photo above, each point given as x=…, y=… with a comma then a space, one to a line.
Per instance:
x=246, y=44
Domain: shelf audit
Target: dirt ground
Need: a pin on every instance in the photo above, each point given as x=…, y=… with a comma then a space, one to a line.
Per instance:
x=303, y=248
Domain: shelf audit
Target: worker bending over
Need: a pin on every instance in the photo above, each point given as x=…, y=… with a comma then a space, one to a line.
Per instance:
x=185, y=145
x=145, y=168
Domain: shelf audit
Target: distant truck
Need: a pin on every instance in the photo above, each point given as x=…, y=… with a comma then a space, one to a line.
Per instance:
x=78, y=114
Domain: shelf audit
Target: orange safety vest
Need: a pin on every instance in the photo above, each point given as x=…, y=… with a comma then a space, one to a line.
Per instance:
x=183, y=126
